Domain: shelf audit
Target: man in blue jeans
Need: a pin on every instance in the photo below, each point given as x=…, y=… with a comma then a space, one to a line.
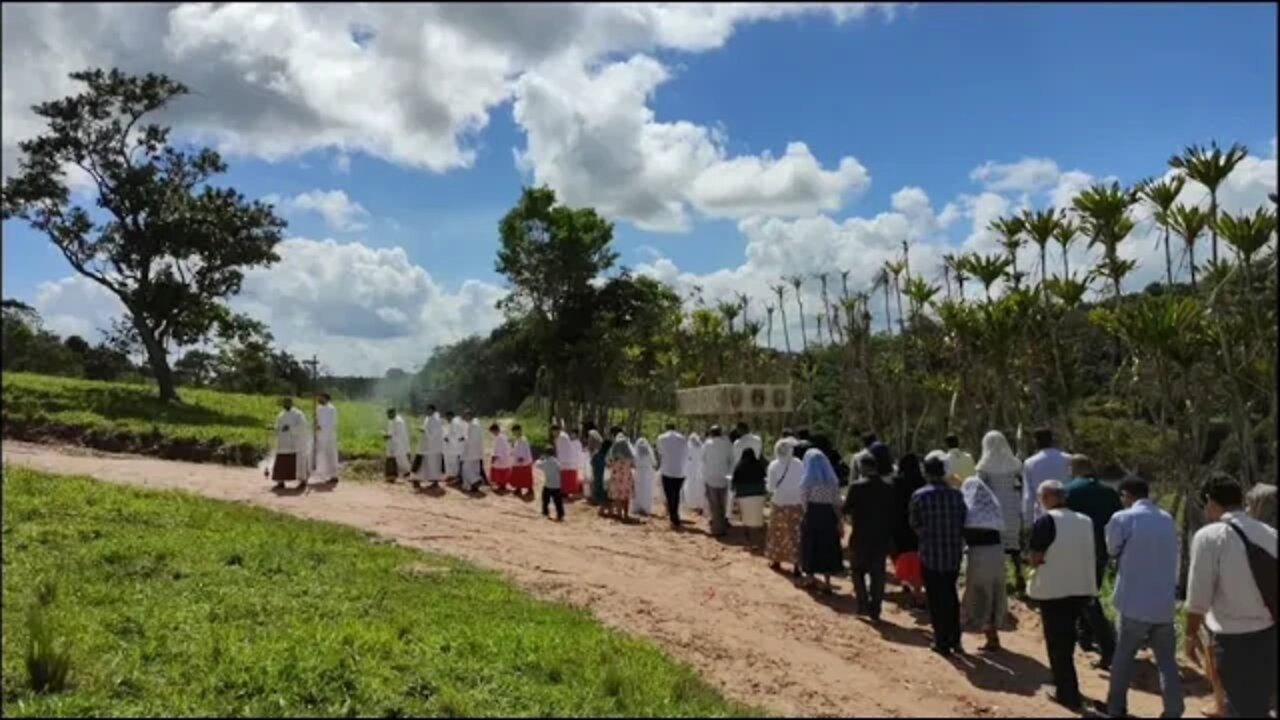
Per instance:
x=1144, y=542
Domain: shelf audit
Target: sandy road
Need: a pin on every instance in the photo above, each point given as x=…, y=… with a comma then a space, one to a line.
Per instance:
x=746, y=629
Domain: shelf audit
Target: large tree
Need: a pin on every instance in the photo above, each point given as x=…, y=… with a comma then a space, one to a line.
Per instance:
x=551, y=254
x=163, y=240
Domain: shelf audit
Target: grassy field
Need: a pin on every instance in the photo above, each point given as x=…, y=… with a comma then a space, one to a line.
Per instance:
x=174, y=604
x=207, y=425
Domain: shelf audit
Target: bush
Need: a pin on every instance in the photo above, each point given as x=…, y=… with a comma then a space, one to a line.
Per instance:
x=48, y=658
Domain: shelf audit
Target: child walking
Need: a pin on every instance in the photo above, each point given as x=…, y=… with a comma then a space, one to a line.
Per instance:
x=550, y=468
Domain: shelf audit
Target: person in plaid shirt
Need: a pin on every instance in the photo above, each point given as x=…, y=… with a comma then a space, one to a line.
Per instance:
x=937, y=514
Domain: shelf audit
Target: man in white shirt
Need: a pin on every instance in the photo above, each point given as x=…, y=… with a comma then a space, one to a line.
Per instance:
x=326, y=439
x=1223, y=594
x=1063, y=580
x=429, y=464
x=717, y=466
x=1049, y=463
x=673, y=448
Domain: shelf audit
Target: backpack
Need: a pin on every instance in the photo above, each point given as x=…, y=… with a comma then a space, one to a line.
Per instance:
x=1263, y=568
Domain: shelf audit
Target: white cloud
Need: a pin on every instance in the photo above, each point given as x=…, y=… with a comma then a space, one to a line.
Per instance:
x=415, y=84
x=360, y=309
x=340, y=213
x=1025, y=175
x=592, y=138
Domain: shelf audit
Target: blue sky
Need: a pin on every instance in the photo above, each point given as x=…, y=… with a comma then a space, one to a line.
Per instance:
x=919, y=100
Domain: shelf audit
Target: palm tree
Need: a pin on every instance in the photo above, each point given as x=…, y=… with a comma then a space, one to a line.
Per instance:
x=1114, y=268
x=819, y=316
x=769, y=309
x=1189, y=222
x=1065, y=234
x=989, y=269
x=844, y=283
x=1104, y=213
x=959, y=270
x=729, y=311
x=1010, y=230
x=826, y=305
x=1246, y=234
x=1209, y=168
x=744, y=301
x=1040, y=226
x=781, y=290
x=921, y=294
x=883, y=281
x=796, y=281
x=895, y=269
x=948, y=262
x=1162, y=195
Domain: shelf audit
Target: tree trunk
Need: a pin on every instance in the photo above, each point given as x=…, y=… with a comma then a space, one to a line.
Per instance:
x=157, y=359
x=786, y=334
x=1168, y=258
x=804, y=333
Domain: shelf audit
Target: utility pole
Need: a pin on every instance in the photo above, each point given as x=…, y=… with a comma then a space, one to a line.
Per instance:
x=314, y=365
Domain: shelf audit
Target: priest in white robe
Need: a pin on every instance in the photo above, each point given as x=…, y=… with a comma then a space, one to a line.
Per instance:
x=326, y=434
x=396, y=437
x=291, y=457
x=428, y=466
x=472, y=454
x=452, y=448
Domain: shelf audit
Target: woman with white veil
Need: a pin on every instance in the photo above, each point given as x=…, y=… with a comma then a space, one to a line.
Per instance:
x=1001, y=471
x=694, y=492
x=642, y=500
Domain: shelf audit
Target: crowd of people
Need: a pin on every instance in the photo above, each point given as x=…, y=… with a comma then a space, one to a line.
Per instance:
x=930, y=518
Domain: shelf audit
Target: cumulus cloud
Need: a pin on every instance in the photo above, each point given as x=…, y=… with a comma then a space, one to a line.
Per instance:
x=592, y=137
x=360, y=309
x=415, y=84
x=1025, y=175
x=340, y=213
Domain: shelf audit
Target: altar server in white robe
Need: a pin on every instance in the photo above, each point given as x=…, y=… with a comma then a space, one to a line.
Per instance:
x=472, y=453
x=397, y=446
x=522, y=471
x=291, y=457
x=452, y=447
x=642, y=496
x=694, y=492
x=500, y=465
x=428, y=466
x=326, y=429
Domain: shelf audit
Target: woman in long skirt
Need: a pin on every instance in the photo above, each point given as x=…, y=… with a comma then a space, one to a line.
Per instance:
x=621, y=480
x=1001, y=471
x=749, y=484
x=646, y=463
x=782, y=544
x=985, y=603
x=820, y=530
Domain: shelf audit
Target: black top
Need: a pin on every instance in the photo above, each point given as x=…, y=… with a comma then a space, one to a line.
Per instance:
x=908, y=480
x=869, y=504
x=748, y=478
x=1043, y=533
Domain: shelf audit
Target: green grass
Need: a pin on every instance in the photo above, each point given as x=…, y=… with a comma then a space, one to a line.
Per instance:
x=172, y=604
x=205, y=417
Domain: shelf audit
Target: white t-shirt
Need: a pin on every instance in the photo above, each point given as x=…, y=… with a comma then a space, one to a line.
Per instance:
x=564, y=450
x=783, y=480
x=673, y=448
x=523, y=455
x=750, y=440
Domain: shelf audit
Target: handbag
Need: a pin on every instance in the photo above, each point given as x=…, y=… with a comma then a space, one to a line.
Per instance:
x=1262, y=565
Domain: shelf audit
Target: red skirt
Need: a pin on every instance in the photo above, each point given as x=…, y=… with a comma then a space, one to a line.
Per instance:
x=500, y=477
x=906, y=567
x=522, y=477
x=569, y=483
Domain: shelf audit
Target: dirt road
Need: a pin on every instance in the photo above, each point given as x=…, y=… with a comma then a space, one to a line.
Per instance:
x=746, y=629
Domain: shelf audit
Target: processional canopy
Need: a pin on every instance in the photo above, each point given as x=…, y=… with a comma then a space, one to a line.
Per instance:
x=740, y=399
